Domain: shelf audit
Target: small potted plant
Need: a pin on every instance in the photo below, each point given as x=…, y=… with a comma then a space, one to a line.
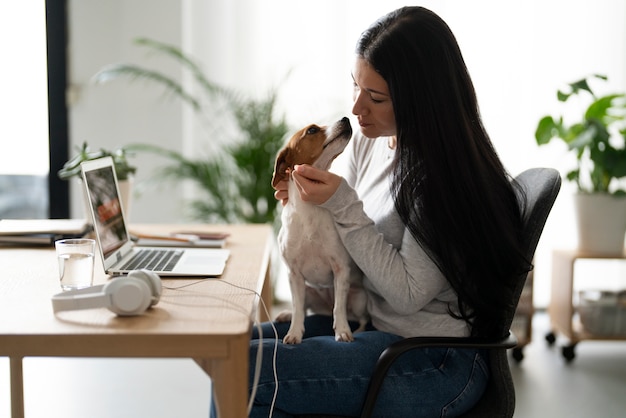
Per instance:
x=124, y=170
x=598, y=141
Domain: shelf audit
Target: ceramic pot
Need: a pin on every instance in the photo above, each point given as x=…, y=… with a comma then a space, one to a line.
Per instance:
x=601, y=222
x=126, y=192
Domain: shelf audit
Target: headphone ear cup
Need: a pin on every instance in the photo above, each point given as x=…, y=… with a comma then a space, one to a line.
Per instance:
x=152, y=280
x=128, y=296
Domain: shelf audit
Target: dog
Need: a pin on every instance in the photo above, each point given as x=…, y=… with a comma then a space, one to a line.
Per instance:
x=322, y=275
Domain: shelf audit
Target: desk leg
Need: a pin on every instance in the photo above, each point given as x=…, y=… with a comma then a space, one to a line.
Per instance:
x=230, y=379
x=17, y=388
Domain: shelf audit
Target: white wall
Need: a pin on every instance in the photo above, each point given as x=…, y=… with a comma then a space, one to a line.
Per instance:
x=518, y=53
x=111, y=115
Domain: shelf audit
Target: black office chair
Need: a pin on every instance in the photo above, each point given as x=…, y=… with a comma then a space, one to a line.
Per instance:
x=541, y=186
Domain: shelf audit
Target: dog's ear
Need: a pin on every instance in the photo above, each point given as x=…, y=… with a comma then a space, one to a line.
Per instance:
x=280, y=167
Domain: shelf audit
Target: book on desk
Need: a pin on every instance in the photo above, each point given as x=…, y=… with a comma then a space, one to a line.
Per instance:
x=41, y=231
x=189, y=239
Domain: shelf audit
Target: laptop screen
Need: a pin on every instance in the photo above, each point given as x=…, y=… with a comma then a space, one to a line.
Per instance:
x=106, y=208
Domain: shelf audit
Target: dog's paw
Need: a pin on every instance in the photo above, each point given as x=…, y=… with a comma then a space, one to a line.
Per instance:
x=345, y=337
x=284, y=316
x=291, y=338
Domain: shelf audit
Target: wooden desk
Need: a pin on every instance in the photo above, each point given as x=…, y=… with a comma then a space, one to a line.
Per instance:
x=208, y=320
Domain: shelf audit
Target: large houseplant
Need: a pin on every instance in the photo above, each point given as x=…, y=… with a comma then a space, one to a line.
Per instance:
x=236, y=182
x=598, y=141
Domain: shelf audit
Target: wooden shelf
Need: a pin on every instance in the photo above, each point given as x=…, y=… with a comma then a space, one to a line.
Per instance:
x=562, y=310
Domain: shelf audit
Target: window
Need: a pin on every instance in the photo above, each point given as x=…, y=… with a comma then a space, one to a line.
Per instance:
x=25, y=153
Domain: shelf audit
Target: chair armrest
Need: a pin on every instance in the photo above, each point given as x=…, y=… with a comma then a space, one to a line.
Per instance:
x=402, y=346
x=398, y=348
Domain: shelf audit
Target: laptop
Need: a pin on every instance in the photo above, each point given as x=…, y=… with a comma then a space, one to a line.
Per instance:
x=119, y=253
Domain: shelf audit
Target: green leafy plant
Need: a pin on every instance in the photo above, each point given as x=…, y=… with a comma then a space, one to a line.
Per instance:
x=123, y=168
x=236, y=183
x=598, y=139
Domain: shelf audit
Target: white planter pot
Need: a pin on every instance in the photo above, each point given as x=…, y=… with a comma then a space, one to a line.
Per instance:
x=126, y=191
x=601, y=223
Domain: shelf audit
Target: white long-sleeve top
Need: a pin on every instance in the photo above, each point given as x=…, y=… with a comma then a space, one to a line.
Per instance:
x=408, y=294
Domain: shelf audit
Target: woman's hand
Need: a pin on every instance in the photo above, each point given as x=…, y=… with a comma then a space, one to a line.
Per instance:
x=314, y=185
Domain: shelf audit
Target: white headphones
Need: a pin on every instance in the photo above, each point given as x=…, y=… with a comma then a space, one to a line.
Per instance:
x=126, y=296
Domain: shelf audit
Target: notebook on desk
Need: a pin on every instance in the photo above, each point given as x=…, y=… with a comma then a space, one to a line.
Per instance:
x=119, y=253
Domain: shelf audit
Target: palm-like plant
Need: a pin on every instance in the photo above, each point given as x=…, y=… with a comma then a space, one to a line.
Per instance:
x=237, y=182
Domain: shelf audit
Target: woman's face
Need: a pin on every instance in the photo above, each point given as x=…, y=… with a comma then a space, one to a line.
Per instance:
x=372, y=102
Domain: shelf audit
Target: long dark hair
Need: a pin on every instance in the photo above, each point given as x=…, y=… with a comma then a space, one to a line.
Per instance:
x=450, y=188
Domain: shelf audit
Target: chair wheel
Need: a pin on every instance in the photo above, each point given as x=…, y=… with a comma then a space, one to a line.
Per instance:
x=568, y=352
x=518, y=354
x=550, y=338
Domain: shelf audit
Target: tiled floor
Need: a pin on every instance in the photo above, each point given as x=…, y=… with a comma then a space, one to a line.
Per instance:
x=593, y=385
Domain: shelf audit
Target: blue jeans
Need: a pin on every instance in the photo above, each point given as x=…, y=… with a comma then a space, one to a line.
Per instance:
x=323, y=376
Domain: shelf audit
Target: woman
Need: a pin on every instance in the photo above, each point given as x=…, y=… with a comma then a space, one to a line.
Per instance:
x=428, y=213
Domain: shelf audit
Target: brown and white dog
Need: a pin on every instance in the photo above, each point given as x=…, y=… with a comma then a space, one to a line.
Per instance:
x=322, y=275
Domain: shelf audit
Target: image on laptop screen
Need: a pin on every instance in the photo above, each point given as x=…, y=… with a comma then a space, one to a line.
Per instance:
x=106, y=209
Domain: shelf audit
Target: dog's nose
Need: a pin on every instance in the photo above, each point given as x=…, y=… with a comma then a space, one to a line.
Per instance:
x=345, y=124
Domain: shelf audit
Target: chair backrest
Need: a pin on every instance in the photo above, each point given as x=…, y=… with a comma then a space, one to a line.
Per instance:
x=538, y=189
x=541, y=187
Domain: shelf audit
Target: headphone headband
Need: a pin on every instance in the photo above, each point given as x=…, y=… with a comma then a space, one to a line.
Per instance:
x=87, y=298
x=125, y=296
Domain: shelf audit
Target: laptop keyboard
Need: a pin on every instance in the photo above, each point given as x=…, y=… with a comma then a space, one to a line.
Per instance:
x=154, y=260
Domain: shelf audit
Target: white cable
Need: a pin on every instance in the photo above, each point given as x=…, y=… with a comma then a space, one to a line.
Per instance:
x=259, y=355
x=259, y=359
